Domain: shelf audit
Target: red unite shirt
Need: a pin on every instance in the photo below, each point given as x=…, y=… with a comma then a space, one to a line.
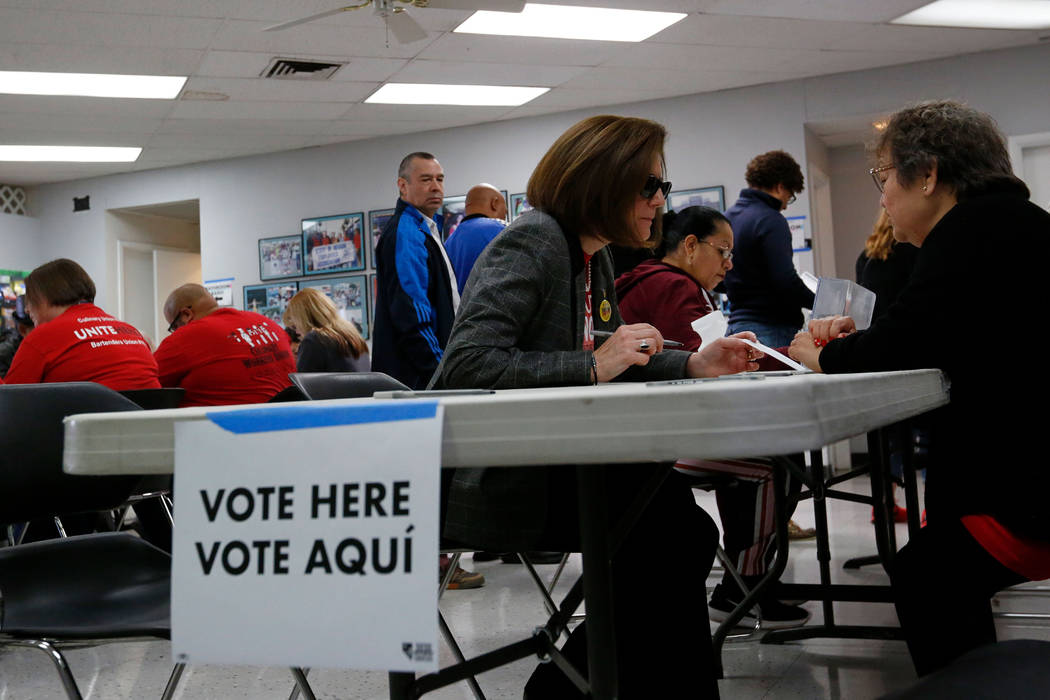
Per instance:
x=227, y=357
x=85, y=344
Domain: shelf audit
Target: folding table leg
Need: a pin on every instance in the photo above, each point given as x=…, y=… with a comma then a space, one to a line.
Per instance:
x=597, y=582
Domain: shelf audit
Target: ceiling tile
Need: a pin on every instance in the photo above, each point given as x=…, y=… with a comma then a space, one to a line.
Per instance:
x=761, y=32
x=276, y=90
x=48, y=104
x=521, y=50
x=457, y=72
x=234, y=126
x=69, y=58
x=677, y=57
x=335, y=40
x=837, y=10
x=257, y=110
x=97, y=29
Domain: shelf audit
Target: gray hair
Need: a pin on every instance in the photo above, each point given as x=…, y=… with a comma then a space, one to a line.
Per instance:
x=406, y=162
x=966, y=145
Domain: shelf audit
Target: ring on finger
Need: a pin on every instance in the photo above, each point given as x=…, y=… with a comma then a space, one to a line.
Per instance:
x=644, y=345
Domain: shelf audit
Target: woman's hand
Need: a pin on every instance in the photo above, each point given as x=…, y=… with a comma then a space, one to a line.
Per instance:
x=727, y=355
x=804, y=349
x=631, y=344
x=824, y=329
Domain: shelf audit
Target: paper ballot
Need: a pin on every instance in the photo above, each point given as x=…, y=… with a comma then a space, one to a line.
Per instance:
x=773, y=353
x=710, y=327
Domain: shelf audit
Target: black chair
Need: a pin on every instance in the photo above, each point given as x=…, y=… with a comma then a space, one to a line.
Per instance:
x=318, y=386
x=72, y=591
x=153, y=399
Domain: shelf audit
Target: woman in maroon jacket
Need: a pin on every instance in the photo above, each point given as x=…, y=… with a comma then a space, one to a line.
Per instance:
x=670, y=292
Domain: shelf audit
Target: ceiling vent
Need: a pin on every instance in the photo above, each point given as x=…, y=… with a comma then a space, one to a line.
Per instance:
x=298, y=69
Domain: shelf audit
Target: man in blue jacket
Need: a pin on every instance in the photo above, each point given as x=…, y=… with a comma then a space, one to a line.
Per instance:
x=417, y=294
x=766, y=295
x=486, y=214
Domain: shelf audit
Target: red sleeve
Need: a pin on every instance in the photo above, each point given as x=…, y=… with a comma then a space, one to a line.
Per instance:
x=27, y=366
x=171, y=365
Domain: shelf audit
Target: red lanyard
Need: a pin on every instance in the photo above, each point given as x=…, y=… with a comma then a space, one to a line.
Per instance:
x=588, y=316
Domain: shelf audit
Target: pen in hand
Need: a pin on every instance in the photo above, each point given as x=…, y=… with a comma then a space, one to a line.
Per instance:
x=667, y=343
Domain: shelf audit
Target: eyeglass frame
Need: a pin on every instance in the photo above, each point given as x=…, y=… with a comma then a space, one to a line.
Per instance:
x=178, y=314
x=654, y=184
x=874, y=172
x=726, y=253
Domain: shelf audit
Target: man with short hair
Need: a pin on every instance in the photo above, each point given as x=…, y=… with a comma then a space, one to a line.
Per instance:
x=485, y=216
x=221, y=355
x=417, y=293
x=766, y=295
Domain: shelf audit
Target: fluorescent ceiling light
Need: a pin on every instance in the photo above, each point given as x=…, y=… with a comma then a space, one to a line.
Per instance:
x=156, y=87
x=70, y=154
x=985, y=14
x=570, y=22
x=472, y=95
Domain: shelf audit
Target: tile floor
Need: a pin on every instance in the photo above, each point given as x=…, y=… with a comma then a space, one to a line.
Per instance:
x=483, y=619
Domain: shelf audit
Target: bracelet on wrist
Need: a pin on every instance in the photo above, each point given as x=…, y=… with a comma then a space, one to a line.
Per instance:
x=594, y=370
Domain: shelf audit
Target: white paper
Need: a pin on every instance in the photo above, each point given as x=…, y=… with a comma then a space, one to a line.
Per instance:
x=779, y=356
x=313, y=607
x=710, y=327
x=810, y=280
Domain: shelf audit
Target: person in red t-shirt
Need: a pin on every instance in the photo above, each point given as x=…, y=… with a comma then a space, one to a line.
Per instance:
x=221, y=355
x=76, y=341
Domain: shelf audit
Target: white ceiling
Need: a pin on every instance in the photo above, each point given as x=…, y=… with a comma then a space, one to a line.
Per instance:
x=220, y=45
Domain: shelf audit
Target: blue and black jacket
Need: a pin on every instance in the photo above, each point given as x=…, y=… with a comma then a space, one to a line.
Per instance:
x=414, y=312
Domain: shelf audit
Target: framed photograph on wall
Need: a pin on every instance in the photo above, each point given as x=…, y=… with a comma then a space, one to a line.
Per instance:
x=452, y=212
x=518, y=205
x=373, y=294
x=377, y=219
x=334, y=244
x=270, y=300
x=350, y=295
x=279, y=257
x=714, y=197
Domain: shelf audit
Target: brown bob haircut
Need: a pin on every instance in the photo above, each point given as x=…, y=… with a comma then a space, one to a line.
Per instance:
x=60, y=282
x=590, y=179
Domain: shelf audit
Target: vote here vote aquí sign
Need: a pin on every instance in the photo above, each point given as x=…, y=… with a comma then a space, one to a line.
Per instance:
x=307, y=535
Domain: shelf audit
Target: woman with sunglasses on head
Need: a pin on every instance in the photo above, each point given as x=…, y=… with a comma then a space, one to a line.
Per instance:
x=530, y=316
x=670, y=292
x=948, y=187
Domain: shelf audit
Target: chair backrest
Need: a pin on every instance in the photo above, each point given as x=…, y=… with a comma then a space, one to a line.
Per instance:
x=287, y=394
x=343, y=385
x=152, y=399
x=32, y=483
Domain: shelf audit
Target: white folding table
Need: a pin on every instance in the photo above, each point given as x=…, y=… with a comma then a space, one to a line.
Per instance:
x=737, y=416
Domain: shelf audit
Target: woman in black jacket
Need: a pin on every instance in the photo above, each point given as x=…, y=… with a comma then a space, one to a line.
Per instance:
x=329, y=343
x=947, y=184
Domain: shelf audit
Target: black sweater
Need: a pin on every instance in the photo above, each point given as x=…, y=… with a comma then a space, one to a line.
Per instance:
x=988, y=448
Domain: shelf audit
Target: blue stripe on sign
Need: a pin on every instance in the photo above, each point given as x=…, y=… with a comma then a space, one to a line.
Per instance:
x=264, y=420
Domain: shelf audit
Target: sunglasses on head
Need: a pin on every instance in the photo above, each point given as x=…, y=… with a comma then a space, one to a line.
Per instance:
x=652, y=184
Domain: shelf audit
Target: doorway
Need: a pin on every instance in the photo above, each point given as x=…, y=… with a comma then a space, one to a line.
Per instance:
x=155, y=249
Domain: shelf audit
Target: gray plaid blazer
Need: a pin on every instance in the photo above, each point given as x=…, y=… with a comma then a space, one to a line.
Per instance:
x=520, y=325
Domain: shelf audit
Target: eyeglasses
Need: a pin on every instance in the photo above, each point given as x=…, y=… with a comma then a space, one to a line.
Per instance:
x=874, y=172
x=175, y=325
x=791, y=199
x=726, y=253
x=652, y=184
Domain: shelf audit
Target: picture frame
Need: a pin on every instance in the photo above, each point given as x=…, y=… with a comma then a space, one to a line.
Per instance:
x=270, y=300
x=453, y=209
x=373, y=295
x=350, y=295
x=714, y=197
x=333, y=244
x=377, y=219
x=280, y=257
x=518, y=206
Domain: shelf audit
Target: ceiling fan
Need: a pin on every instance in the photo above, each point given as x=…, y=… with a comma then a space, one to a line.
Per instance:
x=399, y=22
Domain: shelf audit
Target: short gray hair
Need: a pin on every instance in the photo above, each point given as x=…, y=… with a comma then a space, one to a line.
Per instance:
x=406, y=162
x=967, y=146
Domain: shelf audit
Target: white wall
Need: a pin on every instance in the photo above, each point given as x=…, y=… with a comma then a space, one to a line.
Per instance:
x=20, y=247
x=712, y=137
x=855, y=204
